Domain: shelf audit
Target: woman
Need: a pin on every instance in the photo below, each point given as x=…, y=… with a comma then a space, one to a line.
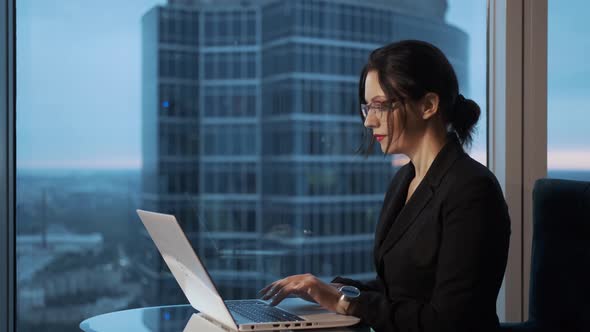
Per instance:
x=441, y=243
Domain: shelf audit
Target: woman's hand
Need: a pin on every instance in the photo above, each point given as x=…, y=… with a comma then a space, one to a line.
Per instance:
x=305, y=286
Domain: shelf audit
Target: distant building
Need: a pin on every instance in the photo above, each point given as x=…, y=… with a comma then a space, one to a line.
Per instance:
x=38, y=250
x=72, y=296
x=36, y=253
x=250, y=122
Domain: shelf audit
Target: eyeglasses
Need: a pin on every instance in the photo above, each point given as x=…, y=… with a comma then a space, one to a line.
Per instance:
x=378, y=108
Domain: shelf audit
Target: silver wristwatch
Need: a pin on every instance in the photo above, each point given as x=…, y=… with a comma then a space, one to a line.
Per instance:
x=347, y=295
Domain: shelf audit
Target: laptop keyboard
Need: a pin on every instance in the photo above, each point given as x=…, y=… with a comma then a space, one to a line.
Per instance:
x=260, y=312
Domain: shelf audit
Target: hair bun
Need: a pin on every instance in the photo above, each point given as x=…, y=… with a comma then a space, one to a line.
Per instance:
x=460, y=98
x=465, y=114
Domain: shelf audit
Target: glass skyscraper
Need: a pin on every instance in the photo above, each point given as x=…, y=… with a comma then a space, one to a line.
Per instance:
x=250, y=126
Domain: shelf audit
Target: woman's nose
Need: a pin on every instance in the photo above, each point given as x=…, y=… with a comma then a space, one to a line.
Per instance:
x=371, y=121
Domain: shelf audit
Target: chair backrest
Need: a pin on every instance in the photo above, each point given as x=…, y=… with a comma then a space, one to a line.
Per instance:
x=559, y=295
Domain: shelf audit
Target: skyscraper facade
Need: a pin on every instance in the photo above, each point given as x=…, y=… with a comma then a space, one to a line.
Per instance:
x=250, y=130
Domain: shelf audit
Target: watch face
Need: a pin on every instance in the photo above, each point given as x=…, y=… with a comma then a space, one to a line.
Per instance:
x=350, y=291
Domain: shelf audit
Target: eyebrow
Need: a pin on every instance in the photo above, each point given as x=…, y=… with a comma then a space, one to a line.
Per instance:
x=373, y=99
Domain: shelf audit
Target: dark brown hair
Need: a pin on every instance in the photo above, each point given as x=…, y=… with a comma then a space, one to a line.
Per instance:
x=409, y=69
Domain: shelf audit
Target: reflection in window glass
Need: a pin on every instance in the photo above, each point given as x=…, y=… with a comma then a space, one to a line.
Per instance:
x=150, y=106
x=568, y=155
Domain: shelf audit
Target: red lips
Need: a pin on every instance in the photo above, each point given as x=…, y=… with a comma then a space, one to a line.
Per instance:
x=379, y=137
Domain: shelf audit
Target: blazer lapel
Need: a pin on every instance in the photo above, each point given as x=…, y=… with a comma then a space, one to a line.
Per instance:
x=406, y=217
x=423, y=194
x=394, y=201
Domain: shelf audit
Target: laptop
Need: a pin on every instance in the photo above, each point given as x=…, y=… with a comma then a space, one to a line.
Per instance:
x=201, y=292
x=197, y=324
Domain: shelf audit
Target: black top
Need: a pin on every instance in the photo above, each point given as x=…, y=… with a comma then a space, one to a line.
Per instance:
x=440, y=258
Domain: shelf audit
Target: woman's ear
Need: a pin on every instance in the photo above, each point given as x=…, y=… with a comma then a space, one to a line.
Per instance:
x=430, y=103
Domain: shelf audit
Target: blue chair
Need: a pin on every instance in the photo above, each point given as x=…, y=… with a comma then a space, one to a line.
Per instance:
x=559, y=294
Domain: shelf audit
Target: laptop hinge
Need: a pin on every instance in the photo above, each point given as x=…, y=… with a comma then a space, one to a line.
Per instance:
x=216, y=323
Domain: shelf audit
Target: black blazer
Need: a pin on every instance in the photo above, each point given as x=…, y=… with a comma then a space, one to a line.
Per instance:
x=440, y=258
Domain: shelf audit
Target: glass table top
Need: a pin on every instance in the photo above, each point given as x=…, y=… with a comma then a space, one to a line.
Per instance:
x=177, y=318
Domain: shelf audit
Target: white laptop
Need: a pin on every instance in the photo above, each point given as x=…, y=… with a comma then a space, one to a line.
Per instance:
x=242, y=315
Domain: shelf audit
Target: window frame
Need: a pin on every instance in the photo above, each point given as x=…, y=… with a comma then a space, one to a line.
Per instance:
x=7, y=166
x=517, y=128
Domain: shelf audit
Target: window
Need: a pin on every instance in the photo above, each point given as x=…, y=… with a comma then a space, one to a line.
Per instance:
x=468, y=17
x=245, y=134
x=568, y=156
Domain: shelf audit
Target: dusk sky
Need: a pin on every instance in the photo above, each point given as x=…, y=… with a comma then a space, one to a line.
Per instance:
x=79, y=80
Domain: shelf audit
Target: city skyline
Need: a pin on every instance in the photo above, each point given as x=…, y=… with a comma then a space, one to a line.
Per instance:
x=272, y=192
